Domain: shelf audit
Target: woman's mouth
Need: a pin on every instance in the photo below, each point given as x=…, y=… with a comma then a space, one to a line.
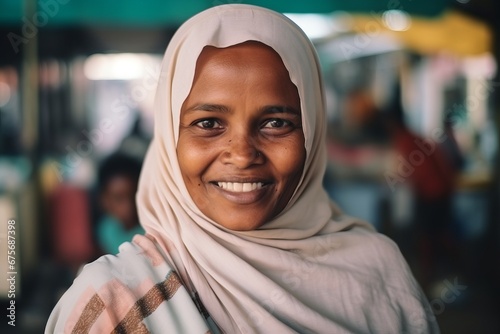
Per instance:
x=246, y=192
x=240, y=187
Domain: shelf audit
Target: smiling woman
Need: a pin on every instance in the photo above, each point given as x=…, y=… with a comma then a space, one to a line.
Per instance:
x=241, y=146
x=240, y=235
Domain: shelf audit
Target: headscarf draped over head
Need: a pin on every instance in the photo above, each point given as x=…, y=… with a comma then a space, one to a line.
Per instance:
x=310, y=269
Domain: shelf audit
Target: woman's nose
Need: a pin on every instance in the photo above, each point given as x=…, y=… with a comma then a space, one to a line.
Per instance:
x=242, y=151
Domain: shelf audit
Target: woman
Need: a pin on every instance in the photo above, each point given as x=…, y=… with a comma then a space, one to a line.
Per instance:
x=240, y=236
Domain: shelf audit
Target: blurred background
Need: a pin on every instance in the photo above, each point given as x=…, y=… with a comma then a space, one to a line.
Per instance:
x=413, y=106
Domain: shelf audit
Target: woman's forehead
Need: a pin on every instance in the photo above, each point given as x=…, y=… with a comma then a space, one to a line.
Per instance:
x=244, y=65
x=246, y=52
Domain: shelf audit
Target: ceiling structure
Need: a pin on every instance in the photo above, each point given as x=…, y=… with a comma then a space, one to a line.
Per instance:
x=65, y=28
x=174, y=12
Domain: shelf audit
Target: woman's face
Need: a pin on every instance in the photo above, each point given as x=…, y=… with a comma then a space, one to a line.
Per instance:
x=241, y=145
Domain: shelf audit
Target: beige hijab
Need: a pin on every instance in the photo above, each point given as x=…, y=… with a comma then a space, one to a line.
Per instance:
x=309, y=269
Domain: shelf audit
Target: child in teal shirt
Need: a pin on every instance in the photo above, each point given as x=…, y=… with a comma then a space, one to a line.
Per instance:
x=118, y=179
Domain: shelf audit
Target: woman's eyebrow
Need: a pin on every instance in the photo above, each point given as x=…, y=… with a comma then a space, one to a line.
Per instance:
x=269, y=109
x=208, y=107
x=280, y=109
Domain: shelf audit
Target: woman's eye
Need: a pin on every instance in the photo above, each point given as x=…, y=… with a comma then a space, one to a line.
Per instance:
x=208, y=124
x=276, y=123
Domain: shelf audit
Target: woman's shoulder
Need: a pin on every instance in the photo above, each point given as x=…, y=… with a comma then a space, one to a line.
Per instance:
x=384, y=277
x=371, y=240
x=373, y=255
x=135, y=260
x=121, y=291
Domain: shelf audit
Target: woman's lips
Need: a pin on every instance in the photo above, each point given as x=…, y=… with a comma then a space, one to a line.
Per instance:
x=240, y=187
x=242, y=192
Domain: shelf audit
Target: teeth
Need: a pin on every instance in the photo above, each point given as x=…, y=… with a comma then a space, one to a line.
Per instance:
x=240, y=187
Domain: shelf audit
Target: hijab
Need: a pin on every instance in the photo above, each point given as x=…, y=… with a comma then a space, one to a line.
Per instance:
x=310, y=269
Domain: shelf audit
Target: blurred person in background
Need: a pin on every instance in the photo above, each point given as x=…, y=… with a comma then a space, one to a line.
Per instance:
x=431, y=169
x=365, y=123
x=117, y=182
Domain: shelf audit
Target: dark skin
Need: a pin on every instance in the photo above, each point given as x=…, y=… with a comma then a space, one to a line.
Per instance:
x=118, y=200
x=241, y=145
